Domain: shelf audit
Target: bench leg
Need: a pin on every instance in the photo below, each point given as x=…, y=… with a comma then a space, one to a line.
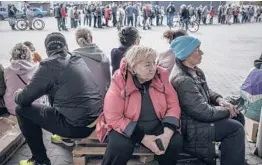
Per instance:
x=79, y=160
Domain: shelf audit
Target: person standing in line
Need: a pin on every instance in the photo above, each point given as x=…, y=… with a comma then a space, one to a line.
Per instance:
x=130, y=14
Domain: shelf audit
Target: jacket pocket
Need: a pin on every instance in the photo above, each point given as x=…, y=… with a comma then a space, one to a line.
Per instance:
x=101, y=128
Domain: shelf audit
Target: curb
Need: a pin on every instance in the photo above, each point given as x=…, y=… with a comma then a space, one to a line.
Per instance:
x=11, y=141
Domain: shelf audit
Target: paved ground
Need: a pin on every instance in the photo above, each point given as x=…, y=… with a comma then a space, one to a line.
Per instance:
x=229, y=55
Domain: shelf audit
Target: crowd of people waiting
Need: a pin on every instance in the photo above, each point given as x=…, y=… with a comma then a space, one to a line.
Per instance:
x=159, y=96
x=148, y=15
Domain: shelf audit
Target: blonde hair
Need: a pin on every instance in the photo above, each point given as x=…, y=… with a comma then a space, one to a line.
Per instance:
x=83, y=37
x=138, y=53
x=21, y=52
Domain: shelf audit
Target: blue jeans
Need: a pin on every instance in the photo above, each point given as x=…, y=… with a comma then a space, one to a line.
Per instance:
x=170, y=20
x=185, y=23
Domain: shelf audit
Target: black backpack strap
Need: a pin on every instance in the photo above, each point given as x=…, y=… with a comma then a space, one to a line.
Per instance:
x=21, y=79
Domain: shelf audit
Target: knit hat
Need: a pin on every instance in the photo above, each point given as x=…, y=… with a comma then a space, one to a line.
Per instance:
x=55, y=41
x=183, y=46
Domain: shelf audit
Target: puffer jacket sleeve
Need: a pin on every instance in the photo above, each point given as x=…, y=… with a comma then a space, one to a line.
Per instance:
x=173, y=112
x=194, y=104
x=40, y=83
x=2, y=81
x=114, y=111
x=214, y=96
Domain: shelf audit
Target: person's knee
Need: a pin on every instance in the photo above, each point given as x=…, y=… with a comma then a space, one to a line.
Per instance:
x=119, y=144
x=239, y=128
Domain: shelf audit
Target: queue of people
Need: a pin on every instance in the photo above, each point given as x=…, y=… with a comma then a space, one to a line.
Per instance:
x=162, y=97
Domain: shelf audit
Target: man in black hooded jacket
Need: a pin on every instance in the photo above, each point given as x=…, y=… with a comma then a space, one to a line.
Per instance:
x=73, y=93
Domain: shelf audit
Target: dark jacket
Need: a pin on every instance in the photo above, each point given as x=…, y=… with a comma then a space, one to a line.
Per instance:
x=185, y=14
x=170, y=9
x=2, y=86
x=71, y=88
x=198, y=111
x=2, y=81
x=98, y=63
x=12, y=11
x=57, y=12
x=116, y=56
x=129, y=11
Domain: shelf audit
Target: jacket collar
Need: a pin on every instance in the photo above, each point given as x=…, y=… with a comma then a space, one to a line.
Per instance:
x=129, y=85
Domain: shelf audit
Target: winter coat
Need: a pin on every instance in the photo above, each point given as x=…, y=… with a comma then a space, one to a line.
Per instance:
x=57, y=12
x=170, y=9
x=2, y=81
x=251, y=92
x=2, y=86
x=98, y=63
x=25, y=70
x=71, y=88
x=122, y=104
x=63, y=13
x=204, y=12
x=120, y=14
x=129, y=11
x=116, y=56
x=166, y=60
x=212, y=13
x=107, y=13
x=146, y=12
x=198, y=112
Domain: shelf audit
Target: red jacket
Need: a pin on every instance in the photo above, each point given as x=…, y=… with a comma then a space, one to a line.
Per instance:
x=212, y=13
x=122, y=103
x=63, y=13
x=107, y=13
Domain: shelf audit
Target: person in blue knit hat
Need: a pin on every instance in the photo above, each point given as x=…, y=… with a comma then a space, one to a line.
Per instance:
x=206, y=117
x=184, y=46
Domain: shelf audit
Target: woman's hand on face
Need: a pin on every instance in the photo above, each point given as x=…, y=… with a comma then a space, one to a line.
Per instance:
x=149, y=141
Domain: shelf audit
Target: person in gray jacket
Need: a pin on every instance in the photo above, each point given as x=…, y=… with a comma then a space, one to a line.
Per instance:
x=95, y=59
x=206, y=118
x=74, y=97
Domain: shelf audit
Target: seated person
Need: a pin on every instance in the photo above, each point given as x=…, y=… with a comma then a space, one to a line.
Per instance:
x=251, y=91
x=167, y=59
x=139, y=107
x=95, y=58
x=128, y=37
x=98, y=64
x=206, y=117
x=3, y=109
x=73, y=94
x=18, y=74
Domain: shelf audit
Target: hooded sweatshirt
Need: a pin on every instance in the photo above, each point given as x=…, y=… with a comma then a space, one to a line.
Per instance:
x=98, y=63
x=25, y=70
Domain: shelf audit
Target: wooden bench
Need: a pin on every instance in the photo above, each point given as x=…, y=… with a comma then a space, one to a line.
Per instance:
x=90, y=147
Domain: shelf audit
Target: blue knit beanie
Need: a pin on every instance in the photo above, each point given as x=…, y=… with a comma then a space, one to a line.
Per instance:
x=183, y=46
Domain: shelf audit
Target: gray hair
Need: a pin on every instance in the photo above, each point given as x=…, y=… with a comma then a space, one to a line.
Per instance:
x=21, y=52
